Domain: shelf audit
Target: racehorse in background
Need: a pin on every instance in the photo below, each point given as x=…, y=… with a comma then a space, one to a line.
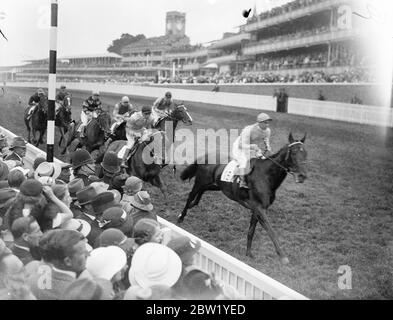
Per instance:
x=179, y=113
x=96, y=133
x=264, y=179
x=63, y=117
x=145, y=161
x=37, y=121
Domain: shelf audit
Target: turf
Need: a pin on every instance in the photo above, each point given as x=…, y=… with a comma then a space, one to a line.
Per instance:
x=341, y=215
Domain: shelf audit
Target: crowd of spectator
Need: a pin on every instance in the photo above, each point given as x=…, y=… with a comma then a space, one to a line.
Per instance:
x=88, y=231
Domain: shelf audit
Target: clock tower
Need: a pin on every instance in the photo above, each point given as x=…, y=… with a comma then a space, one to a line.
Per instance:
x=175, y=23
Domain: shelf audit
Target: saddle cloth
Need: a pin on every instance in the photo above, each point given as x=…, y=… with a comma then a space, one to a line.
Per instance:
x=229, y=171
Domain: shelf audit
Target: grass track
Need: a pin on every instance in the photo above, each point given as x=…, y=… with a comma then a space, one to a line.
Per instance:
x=341, y=215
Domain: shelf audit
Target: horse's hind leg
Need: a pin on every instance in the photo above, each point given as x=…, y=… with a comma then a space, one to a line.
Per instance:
x=61, y=135
x=157, y=182
x=191, y=196
x=250, y=234
x=28, y=132
x=201, y=192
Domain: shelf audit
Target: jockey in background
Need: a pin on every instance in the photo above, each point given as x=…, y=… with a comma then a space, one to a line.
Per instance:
x=34, y=101
x=253, y=142
x=137, y=129
x=121, y=112
x=90, y=108
x=60, y=97
x=162, y=107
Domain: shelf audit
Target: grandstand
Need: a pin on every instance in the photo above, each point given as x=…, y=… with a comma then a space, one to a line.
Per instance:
x=301, y=41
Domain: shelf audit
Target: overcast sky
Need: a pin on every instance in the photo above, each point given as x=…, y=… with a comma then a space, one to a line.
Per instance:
x=89, y=26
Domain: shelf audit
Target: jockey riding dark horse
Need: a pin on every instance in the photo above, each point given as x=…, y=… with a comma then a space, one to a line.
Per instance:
x=35, y=116
x=63, y=112
x=264, y=179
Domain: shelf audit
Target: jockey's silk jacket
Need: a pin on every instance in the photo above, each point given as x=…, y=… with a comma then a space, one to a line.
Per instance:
x=254, y=135
x=137, y=123
x=91, y=104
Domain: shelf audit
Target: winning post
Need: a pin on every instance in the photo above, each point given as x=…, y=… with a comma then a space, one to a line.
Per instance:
x=52, y=82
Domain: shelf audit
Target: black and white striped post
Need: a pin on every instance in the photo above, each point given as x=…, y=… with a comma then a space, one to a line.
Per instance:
x=52, y=82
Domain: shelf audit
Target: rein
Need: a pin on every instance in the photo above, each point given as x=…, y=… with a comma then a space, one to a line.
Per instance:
x=286, y=157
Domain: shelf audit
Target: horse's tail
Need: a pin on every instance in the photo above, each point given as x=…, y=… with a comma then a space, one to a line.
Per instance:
x=189, y=172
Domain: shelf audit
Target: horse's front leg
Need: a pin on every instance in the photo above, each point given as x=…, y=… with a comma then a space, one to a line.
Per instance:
x=157, y=182
x=250, y=234
x=61, y=136
x=261, y=215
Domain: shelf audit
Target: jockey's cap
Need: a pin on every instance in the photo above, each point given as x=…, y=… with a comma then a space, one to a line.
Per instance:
x=168, y=95
x=263, y=117
x=146, y=109
x=40, y=91
x=95, y=93
x=125, y=99
x=63, y=87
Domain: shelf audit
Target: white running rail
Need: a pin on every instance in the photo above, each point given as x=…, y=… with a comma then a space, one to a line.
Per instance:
x=247, y=280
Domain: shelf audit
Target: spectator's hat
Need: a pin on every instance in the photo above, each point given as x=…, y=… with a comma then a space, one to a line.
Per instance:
x=183, y=246
x=17, y=142
x=31, y=188
x=12, y=163
x=117, y=195
x=116, y=217
x=79, y=225
x=85, y=196
x=23, y=170
x=142, y=201
x=146, y=109
x=16, y=178
x=262, y=117
x=80, y=158
x=110, y=162
x=154, y=264
x=111, y=237
x=105, y=262
x=103, y=201
x=125, y=99
x=3, y=171
x=48, y=169
x=136, y=292
x=37, y=162
x=133, y=184
x=74, y=186
x=100, y=186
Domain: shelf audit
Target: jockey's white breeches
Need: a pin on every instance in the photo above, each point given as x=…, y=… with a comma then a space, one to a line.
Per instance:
x=243, y=156
x=157, y=115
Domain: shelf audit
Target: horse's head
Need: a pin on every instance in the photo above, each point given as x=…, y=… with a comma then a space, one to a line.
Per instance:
x=104, y=122
x=180, y=113
x=43, y=104
x=296, y=158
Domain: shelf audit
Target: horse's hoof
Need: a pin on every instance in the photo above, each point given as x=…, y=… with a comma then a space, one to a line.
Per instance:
x=284, y=260
x=250, y=255
x=180, y=219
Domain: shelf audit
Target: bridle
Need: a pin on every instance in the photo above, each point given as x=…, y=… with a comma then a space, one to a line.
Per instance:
x=288, y=170
x=183, y=107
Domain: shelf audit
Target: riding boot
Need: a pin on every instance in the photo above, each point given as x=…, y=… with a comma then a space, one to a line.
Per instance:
x=242, y=182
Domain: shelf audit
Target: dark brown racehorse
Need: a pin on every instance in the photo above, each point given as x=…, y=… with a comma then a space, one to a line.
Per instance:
x=143, y=162
x=263, y=181
x=63, y=117
x=37, y=121
x=96, y=132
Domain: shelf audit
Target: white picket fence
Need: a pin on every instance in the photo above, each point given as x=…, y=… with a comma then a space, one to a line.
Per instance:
x=247, y=280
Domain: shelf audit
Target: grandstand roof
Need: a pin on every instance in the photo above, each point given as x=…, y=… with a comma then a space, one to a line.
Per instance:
x=156, y=41
x=96, y=55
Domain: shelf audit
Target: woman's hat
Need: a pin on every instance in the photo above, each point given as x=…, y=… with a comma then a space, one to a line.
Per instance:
x=17, y=142
x=142, y=201
x=79, y=225
x=81, y=157
x=133, y=184
x=154, y=264
x=85, y=196
x=74, y=186
x=111, y=162
x=105, y=262
x=31, y=188
x=48, y=169
x=3, y=171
